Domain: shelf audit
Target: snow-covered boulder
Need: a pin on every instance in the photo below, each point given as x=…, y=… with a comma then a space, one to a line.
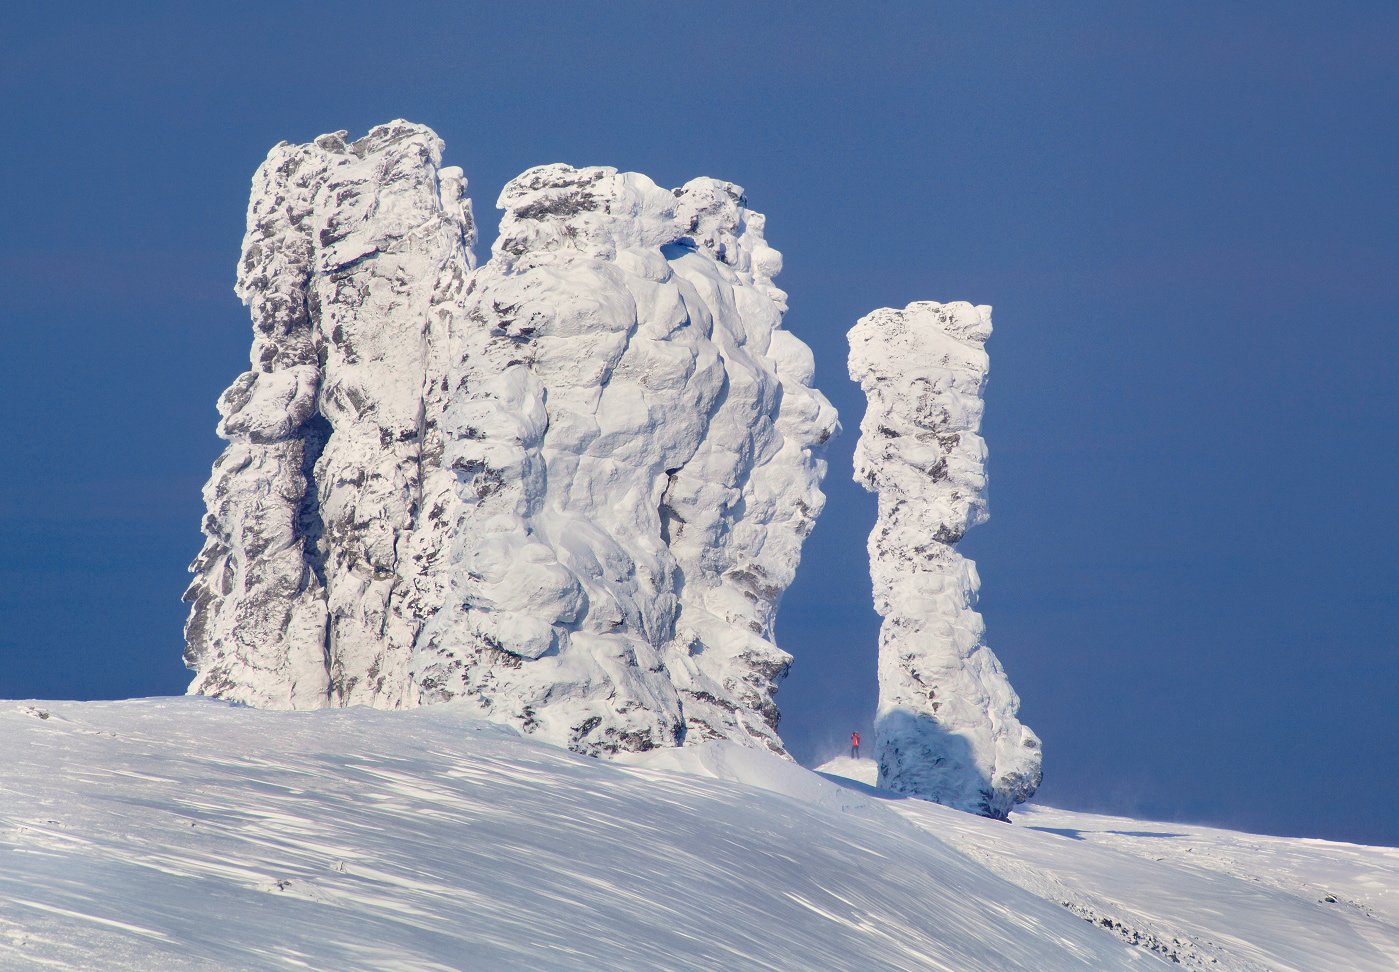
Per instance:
x=946, y=726
x=567, y=488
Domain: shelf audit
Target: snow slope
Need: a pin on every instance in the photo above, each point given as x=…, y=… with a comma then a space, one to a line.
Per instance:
x=1204, y=898
x=193, y=834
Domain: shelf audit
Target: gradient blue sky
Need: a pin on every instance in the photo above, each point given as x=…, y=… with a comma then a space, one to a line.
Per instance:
x=1185, y=215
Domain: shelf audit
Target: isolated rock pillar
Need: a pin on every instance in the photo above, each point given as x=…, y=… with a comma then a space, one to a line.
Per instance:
x=946, y=727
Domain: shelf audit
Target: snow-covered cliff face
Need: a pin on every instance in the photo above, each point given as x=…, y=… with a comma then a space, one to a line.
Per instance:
x=568, y=488
x=946, y=726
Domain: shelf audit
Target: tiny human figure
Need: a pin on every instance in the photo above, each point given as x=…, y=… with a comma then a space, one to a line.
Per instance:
x=854, y=745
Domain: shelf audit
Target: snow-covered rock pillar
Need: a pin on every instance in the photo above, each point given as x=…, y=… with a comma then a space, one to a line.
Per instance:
x=307, y=592
x=565, y=489
x=946, y=727
x=635, y=456
x=256, y=628
x=391, y=230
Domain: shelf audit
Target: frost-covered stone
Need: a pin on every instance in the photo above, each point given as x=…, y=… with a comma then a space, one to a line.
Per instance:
x=636, y=449
x=946, y=727
x=566, y=489
x=303, y=594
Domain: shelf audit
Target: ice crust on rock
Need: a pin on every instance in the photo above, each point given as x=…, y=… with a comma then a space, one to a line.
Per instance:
x=567, y=488
x=635, y=448
x=303, y=595
x=946, y=726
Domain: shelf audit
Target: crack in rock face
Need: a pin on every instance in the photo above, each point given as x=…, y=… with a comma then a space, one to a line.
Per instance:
x=946, y=727
x=566, y=489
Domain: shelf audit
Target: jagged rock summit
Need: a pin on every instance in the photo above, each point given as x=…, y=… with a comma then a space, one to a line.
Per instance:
x=566, y=488
x=946, y=727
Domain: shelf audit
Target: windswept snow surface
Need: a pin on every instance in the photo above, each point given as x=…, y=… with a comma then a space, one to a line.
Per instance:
x=192, y=834
x=189, y=833
x=1202, y=898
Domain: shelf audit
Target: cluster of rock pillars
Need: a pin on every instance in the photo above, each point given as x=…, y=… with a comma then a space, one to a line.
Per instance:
x=567, y=488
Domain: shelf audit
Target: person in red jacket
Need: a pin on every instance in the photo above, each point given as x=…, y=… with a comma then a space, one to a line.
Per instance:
x=854, y=745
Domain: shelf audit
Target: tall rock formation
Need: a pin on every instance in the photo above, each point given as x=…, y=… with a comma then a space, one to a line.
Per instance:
x=566, y=489
x=301, y=595
x=635, y=446
x=946, y=726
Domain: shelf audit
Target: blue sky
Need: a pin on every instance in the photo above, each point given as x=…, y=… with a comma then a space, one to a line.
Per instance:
x=1185, y=216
